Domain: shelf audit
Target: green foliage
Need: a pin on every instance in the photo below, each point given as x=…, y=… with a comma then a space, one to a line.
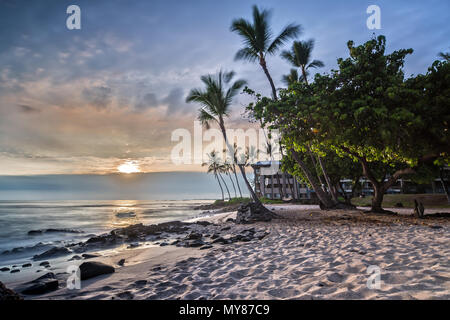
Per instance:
x=366, y=110
x=257, y=37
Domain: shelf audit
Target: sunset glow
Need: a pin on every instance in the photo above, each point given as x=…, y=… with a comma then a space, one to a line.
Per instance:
x=129, y=167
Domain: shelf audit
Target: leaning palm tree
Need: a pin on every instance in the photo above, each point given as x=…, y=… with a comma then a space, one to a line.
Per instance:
x=258, y=40
x=216, y=100
x=291, y=78
x=300, y=56
x=234, y=151
x=228, y=170
x=213, y=167
x=224, y=169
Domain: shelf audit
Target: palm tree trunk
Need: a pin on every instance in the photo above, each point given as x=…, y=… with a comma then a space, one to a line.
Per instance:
x=263, y=64
x=304, y=75
x=228, y=191
x=249, y=187
x=232, y=183
x=237, y=181
x=240, y=166
x=220, y=185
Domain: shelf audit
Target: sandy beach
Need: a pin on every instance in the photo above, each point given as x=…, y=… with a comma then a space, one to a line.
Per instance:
x=308, y=254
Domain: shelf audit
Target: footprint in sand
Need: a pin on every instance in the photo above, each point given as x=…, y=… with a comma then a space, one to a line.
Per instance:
x=335, y=277
x=283, y=293
x=126, y=295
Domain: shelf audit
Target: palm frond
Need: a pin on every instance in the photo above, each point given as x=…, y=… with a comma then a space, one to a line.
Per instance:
x=289, y=56
x=291, y=31
x=316, y=64
x=247, y=32
x=205, y=118
x=444, y=55
x=291, y=78
x=246, y=54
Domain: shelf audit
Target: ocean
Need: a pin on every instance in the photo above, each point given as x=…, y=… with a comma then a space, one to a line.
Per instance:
x=64, y=222
x=41, y=212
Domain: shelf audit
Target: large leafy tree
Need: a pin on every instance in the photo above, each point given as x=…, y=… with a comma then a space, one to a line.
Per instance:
x=259, y=41
x=216, y=99
x=299, y=56
x=367, y=111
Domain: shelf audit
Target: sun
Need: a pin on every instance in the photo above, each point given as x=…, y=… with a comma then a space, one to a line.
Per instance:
x=129, y=167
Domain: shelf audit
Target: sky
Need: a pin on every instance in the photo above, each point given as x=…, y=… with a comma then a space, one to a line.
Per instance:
x=86, y=101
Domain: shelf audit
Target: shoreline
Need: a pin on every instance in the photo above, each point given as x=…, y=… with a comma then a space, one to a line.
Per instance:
x=310, y=254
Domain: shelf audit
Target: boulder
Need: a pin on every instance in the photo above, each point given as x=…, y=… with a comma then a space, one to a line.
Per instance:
x=193, y=243
x=8, y=294
x=52, y=253
x=252, y=212
x=121, y=262
x=194, y=236
x=4, y=269
x=41, y=285
x=89, y=255
x=93, y=269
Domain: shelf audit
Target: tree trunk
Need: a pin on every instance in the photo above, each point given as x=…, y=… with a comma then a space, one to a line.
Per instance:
x=304, y=75
x=280, y=187
x=240, y=166
x=220, y=185
x=344, y=194
x=232, y=183
x=326, y=200
x=327, y=179
x=377, y=199
x=263, y=64
x=237, y=181
x=249, y=187
x=228, y=191
x=322, y=184
x=444, y=185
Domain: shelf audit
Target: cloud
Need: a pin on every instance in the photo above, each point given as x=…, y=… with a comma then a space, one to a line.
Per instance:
x=175, y=102
x=27, y=109
x=100, y=96
x=149, y=100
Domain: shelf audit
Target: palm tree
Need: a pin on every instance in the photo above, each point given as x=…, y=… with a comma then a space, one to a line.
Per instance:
x=215, y=101
x=291, y=78
x=228, y=170
x=444, y=55
x=224, y=169
x=234, y=152
x=219, y=171
x=213, y=167
x=300, y=56
x=258, y=39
